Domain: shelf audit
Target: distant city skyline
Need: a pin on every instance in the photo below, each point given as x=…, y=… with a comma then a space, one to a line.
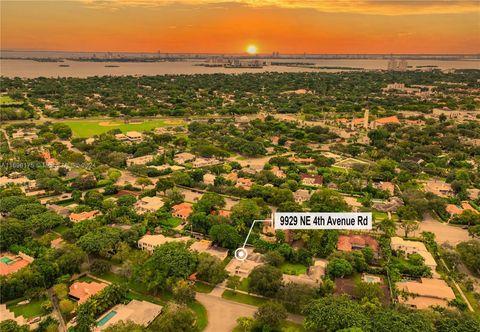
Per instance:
x=230, y=27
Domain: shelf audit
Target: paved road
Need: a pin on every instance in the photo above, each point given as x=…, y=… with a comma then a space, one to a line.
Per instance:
x=7, y=139
x=444, y=233
x=223, y=314
x=56, y=311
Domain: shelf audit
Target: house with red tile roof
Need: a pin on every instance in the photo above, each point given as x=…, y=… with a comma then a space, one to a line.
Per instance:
x=77, y=217
x=182, y=210
x=82, y=291
x=10, y=263
x=384, y=121
x=224, y=213
x=244, y=183
x=453, y=209
x=232, y=176
x=49, y=161
x=348, y=243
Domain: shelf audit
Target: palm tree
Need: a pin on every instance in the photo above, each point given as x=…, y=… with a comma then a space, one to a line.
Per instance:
x=245, y=322
x=387, y=226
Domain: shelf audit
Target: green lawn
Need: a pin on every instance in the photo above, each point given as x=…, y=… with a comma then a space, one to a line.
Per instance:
x=285, y=326
x=7, y=100
x=202, y=287
x=88, y=128
x=32, y=309
x=171, y=222
x=293, y=269
x=244, y=284
x=86, y=278
x=377, y=215
x=471, y=298
x=197, y=307
x=61, y=229
x=243, y=298
x=112, y=277
x=201, y=313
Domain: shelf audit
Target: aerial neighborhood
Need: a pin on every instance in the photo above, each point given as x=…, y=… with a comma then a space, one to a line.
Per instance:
x=122, y=208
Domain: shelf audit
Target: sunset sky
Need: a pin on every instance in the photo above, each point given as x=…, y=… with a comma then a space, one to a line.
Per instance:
x=202, y=26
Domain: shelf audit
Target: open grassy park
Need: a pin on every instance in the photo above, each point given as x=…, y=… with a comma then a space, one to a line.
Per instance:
x=89, y=128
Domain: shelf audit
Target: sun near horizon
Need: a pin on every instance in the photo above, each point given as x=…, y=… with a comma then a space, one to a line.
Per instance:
x=252, y=49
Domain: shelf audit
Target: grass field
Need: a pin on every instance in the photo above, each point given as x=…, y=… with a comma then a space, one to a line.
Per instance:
x=89, y=128
x=293, y=269
x=32, y=309
x=243, y=298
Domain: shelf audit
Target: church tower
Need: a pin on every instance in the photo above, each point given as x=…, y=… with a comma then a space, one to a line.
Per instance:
x=365, y=119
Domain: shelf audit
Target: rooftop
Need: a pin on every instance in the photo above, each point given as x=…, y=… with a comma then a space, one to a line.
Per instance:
x=427, y=292
x=10, y=263
x=139, y=312
x=82, y=291
x=351, y=242
x=77, y=217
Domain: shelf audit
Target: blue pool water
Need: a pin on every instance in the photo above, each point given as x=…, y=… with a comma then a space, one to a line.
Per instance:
x=106, y=318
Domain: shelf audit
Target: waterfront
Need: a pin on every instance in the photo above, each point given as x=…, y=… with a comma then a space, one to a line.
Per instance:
x=32, y=69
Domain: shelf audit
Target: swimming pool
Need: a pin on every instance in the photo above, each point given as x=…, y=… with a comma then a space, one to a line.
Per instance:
x=106, y=318
x=6, y=260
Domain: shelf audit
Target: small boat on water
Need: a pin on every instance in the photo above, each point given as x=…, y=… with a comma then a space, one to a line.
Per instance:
x=111, y=66
x=64, y=65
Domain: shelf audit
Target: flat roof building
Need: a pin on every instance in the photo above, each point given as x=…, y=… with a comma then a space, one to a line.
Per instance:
x=206, y=247
x=413, y=247
x=148, y=204
x=139, y=312
x=150, y=242
x=140, y=160
x=426, y=293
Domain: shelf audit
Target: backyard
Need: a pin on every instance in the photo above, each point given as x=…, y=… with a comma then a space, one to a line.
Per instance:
x=32, y=309
x=293, y=269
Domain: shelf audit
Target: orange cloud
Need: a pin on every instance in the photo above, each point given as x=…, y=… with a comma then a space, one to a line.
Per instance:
x=217, y=26
x=378, y=7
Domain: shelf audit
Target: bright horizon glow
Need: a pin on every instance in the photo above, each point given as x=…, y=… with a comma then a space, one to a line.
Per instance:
x=252, y=49
x=228, y=26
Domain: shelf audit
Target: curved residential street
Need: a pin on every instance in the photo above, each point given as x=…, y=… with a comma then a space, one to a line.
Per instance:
x=223, y=314
x=444, y=233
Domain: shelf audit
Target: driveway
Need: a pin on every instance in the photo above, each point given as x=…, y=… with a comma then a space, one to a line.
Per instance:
x=444, y=233
x=223, y=314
